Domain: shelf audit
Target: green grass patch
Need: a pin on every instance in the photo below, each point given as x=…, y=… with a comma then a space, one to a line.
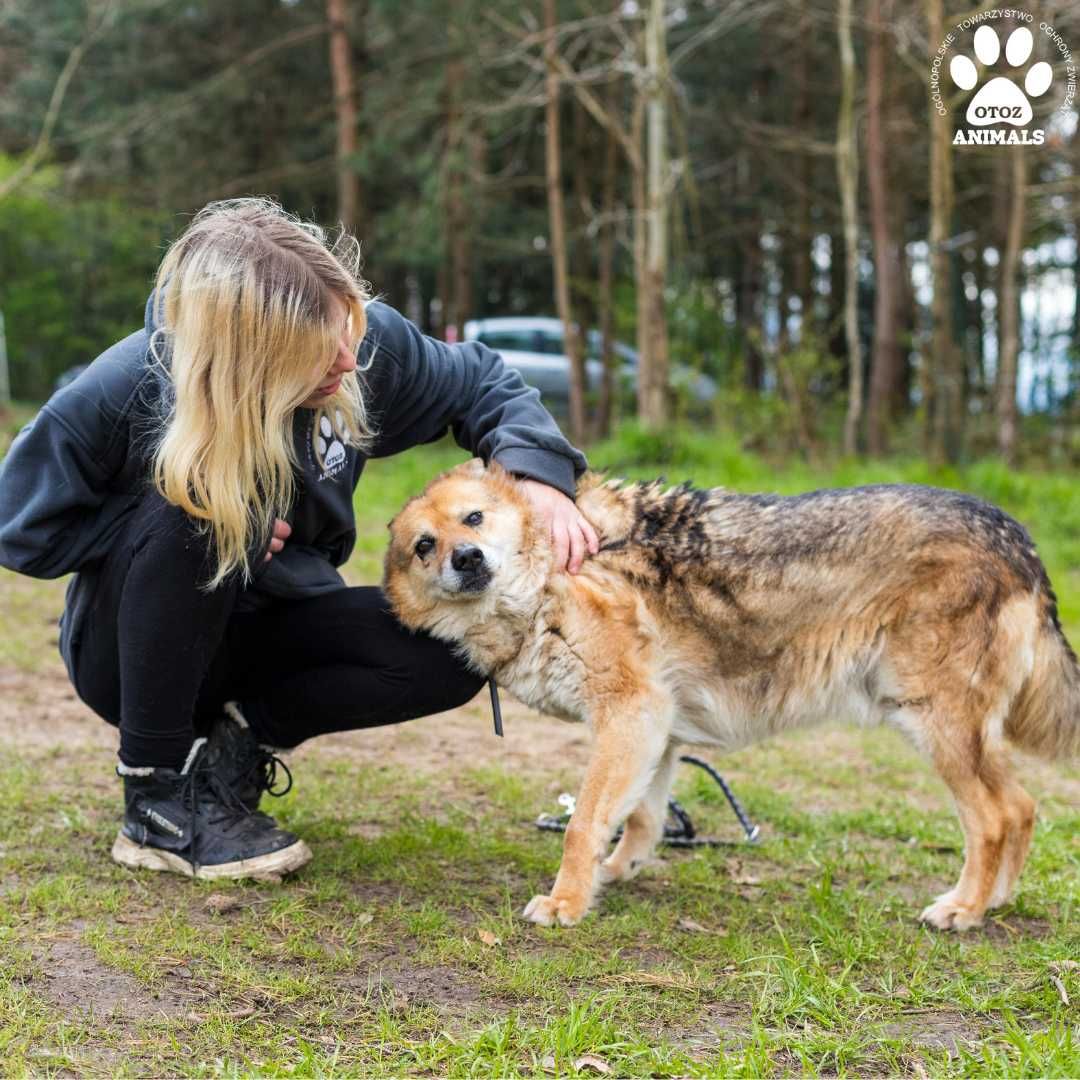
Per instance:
x=400, y=950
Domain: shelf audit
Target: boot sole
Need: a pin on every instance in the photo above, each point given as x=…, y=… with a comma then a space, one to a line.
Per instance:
x=127, y=853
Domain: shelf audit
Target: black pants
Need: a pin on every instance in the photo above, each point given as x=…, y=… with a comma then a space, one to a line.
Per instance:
x=159, y=657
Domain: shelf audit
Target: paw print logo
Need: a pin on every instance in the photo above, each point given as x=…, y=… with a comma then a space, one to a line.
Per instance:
x=1001, y=100
x=330, y=438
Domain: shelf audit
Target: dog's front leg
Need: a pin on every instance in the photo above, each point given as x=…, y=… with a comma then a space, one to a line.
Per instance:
x=628, y=742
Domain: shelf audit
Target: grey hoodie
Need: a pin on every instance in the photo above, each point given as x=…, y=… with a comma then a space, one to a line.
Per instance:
x=75, y=472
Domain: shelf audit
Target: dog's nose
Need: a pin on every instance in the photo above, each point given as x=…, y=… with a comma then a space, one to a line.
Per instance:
x=466, y=559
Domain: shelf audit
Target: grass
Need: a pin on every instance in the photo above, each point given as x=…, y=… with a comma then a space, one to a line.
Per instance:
x=400, y=949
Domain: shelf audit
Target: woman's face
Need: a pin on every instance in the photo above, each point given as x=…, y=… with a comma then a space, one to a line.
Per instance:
x=343, y=363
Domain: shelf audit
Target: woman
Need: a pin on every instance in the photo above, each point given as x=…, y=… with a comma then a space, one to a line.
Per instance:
x=198, y=477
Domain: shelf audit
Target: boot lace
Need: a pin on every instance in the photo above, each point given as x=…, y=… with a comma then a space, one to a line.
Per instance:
x=203, y=781
x=264, y=772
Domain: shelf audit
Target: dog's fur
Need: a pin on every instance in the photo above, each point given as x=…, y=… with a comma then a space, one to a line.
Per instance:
x=718, y=619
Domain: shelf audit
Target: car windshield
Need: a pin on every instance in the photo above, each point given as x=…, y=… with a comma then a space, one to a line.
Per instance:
x=537, y=341
x=549, y=343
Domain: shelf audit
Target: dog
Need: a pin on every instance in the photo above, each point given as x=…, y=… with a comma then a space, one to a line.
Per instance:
x=718, y=619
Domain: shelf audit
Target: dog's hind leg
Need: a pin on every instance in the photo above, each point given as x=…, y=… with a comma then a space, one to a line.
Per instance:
x=629, y=741
x=959, y=666
x=997, y=816
x=1020, y=815
x=644, y=826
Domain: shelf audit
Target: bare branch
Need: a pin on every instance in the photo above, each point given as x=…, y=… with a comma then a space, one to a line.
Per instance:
x=734, y=15
x=30, y=163
x=156, y=113
x=589, y=100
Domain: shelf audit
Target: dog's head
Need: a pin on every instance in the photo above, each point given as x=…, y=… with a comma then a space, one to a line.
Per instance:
x=466, y=539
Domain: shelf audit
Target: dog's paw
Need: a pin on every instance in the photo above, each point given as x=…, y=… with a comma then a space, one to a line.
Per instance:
x=947, y=914
x=547, y=910
x=620, y=870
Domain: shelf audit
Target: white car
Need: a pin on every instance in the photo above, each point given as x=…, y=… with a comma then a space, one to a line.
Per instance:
x=533, y=345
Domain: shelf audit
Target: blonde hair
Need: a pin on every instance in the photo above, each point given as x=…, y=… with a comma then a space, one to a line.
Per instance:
x=247, y=332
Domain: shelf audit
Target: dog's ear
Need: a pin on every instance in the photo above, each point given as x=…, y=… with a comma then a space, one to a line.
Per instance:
x=473, y=468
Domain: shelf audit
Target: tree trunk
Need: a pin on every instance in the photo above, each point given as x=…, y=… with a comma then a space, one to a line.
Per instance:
x=748, y=273
x=1074, y=374
x=348, y=179
x=458, y=299
x=605, y=301
x=847, y=168
x=582, y=169
x=885, y=360
x=571, y=338
x=1009, y=319
x=943, y=368
x=801, y=236
x=906, y=315
x=637, y=189
x=653, y=406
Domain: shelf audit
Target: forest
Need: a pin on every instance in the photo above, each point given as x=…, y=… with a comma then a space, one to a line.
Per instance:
x=836, y=243
x=780, y=195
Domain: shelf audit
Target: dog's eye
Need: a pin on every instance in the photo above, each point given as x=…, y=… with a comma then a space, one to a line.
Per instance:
x=474, y=518
x=424, y=545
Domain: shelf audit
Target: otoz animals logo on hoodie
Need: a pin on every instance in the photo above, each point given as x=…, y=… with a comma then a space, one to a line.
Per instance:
x=327, y=442
x=1007, y=81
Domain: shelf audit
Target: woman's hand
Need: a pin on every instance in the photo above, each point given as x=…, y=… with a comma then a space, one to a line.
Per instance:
x=571, y=534
x=282, y=531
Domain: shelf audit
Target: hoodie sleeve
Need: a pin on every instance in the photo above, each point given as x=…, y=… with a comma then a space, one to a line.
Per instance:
x=421, y=387
x=59, y=508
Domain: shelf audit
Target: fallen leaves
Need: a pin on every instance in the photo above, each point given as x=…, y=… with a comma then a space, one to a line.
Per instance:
x=739, y=876
x=697, y=928
x=586, y=1061
x=235, y=1014
x=1059, y=986
x=681, y=981
x=1057, y=968
x=591, y=1061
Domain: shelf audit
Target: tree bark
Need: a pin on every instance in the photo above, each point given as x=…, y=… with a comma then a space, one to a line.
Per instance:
x=458, y=299
x=653, y=405
x=1009, y=319
x=571, y=338
x=801, y=236
x=943, y=369
x=847, y=168
x=348, y=179
x=582, y=169
x=905, y=315
x=885, y=359
x=605, y=301
x=747, y=274
x=1074, y=374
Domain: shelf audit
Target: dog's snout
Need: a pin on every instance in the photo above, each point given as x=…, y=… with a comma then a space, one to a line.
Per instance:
x=467, y=559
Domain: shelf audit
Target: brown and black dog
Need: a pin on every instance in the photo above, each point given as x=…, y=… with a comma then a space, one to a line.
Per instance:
x=719, y=619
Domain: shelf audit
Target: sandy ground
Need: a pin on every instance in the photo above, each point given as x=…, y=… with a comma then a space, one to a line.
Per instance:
x=41, y=712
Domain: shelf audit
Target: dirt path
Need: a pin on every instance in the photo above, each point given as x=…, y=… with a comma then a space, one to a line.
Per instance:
x=40, y=713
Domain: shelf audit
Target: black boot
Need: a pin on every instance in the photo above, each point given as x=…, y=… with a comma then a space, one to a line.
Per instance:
x=188, y=821
x=239, y=761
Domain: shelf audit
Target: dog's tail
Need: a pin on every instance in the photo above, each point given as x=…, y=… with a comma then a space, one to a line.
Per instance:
x=1045, y=718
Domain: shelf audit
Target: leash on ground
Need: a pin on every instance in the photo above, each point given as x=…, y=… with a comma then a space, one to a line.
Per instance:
x=680, y=833
x=496, y=712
